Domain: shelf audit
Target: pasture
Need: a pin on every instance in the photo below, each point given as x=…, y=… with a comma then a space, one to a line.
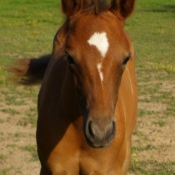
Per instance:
x=27, y=29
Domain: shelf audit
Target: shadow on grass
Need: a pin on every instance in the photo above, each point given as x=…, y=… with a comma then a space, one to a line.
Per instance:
x=162, y=9
x=165, y=8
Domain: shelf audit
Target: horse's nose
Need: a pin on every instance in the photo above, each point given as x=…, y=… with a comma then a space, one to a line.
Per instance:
x=99, y=133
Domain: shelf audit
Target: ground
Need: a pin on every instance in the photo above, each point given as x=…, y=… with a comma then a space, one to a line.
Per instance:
x=17, y=135
x=27, y=30
x=153, y=138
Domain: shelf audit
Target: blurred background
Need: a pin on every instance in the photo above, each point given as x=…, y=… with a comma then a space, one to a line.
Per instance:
x=27, y=29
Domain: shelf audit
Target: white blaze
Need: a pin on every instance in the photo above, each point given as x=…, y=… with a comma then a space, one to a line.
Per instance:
x=100, y=40
x=99, y=67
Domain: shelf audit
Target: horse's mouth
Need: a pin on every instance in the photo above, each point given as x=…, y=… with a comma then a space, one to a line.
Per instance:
x=97, y=136
x=98, y=144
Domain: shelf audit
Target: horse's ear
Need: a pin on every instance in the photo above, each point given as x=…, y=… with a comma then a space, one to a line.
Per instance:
x=123, y=7
x=70, y=7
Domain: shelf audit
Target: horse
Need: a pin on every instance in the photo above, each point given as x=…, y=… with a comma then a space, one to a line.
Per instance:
x=87, y=104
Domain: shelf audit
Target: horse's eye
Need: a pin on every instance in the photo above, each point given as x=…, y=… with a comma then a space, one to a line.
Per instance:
x=126, y=59
x=70, y=60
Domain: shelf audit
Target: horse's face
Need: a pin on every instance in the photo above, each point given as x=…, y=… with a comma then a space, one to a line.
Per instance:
x=97, y=51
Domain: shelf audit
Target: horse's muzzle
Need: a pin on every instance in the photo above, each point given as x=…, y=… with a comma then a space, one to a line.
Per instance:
x=100, y=132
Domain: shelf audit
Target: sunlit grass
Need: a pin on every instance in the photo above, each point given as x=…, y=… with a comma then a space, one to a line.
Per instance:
x=32, y=150
x=27, y=29
x=164, y=67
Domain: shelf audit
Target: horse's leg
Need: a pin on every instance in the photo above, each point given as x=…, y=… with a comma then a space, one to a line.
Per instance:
x=43, y=170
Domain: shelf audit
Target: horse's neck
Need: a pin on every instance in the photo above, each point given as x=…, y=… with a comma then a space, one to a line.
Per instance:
x=68, y=99
x=52, y=84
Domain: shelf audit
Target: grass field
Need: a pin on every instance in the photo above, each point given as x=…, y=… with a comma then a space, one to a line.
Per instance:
x=27, y=28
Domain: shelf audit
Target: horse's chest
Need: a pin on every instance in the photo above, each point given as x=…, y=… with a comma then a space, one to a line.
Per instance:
x=92, y=167
x=79, y=165
x=69, y=158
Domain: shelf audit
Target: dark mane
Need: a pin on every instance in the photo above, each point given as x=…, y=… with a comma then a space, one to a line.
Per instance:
x=96, y=6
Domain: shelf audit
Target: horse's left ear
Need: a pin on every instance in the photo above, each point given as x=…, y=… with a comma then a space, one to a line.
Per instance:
x=70, y=7
x=123, y=7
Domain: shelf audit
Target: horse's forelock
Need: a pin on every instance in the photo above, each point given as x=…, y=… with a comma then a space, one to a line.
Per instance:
x=96, y=6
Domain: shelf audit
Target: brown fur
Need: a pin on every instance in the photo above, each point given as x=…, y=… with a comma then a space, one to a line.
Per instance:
x=85, y=124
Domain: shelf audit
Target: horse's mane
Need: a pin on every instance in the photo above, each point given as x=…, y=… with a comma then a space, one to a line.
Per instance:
x=96, y=6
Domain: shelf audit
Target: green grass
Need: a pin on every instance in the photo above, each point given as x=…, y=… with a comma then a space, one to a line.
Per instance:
x=27, y=29
x=141, y=135
x=14, y=100
x=1, y=121
x=143, y=112
x=153, y=22
x=11, y=111
x=6, y=171
x=152, y=31
x=2, y=157
x=32, y=150
x=147, y=147
x=144, y=167
x=160, y=123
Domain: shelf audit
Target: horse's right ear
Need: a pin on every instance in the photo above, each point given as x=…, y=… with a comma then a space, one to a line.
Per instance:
x=70, y=7
x=123, y=7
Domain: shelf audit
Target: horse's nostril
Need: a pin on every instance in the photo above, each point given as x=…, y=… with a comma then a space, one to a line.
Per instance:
x=95, y=131
x=100, y=133
x=91, y=133
x=113, y=127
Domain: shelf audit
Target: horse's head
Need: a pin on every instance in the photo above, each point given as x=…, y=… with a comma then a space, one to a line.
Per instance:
x=97, y=50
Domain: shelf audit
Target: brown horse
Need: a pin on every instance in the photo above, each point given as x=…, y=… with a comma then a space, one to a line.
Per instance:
x=87, y=104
